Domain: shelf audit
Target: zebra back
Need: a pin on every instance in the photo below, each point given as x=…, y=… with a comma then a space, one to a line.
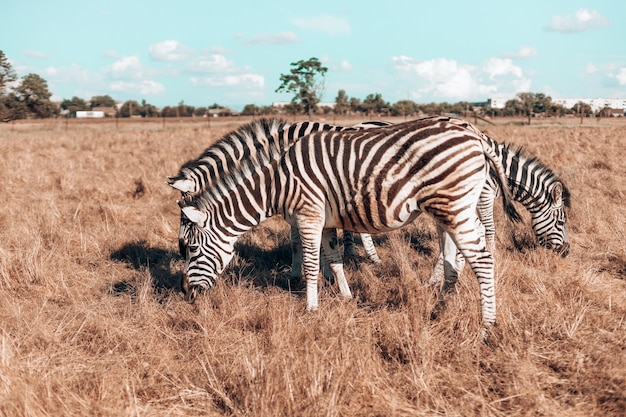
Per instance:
x=242, y=152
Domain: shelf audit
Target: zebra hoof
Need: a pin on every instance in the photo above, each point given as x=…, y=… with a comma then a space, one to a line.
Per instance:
x=487, y=335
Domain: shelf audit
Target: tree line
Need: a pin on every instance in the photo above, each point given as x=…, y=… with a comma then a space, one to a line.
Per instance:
x=29, y=97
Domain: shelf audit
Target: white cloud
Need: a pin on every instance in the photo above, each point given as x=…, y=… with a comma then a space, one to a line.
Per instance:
x=621, y=76
x=344, y=65
x=590, y=69
x=283, y=38
x=523, y=52
x=583, y=20
x=145, y=87
x=110, y=54
x=446, y=79
x=127, y=67
x=36, y=54
x=211, y=64
x=328, y=24
x=250, y=81
x=170, y=50
x=496, y=67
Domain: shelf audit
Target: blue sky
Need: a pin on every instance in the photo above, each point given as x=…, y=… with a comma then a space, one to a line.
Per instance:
x=233, y=52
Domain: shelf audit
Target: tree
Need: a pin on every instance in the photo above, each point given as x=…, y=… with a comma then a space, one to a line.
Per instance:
x=341, y=102
x=7, y=74
x=305, y=83
x=73, y=105
x=404, y=108
x=102, y=101
x=374, y=103
x=200, y=111
x=130, y=108
x=33, y=93
x=582, y=109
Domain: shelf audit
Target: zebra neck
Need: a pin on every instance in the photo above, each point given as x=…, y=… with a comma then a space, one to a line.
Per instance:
x=527, y=179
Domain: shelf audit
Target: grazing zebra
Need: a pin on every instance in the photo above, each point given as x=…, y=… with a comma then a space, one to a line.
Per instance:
x=371, y=181
x=532, y=184
x=255, y=145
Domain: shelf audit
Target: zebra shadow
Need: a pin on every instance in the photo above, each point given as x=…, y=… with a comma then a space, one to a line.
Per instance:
x=262, y=267
x=142, y=257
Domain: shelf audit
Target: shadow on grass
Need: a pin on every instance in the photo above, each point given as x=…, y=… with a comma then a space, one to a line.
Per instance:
x=261, y=267
x=140, y=256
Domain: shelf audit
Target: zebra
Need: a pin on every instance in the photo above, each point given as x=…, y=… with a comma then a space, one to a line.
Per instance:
x=536, y=187
x=372, y=181
x=256, y=144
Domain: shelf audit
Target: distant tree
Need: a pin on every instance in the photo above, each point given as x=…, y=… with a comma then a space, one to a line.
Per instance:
x=582, y=108
x=8, y=104
x=148, y=110
x=169, y=111
x=250, y=110
x=305, y=81
x=184, y=110
x=200, y=111
x=293, y=108
x=130, y=108
x=73, y=105
x=12, y=108
x=406, y=108
x=33, y=93
x=355, y=104
x=542, y=103
x=7, y=74
x=102, y=101
x=374, y=103
x=558, y=110
x=341, y=102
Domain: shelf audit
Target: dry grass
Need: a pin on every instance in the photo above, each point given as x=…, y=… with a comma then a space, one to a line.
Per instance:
x=92, y=321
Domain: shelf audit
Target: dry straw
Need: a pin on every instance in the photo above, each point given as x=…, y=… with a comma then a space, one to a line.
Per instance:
x=92, y=321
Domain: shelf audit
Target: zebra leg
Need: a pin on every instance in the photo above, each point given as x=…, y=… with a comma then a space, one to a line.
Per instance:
x=447, y=248
x=446, y=271
x=330, y=249
x=296, y=254
x=348, y=244
x=296, y=257
x=311, y=227
x=485, y=214
x=370, y=249
x=481, y=261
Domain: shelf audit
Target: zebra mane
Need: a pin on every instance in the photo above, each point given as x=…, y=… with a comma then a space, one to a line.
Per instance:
x=240, y=152
x=531, y=159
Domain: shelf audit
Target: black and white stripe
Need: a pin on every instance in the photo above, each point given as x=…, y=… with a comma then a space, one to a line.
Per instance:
x=251, y=146
x=370, y=181
x=537, y=188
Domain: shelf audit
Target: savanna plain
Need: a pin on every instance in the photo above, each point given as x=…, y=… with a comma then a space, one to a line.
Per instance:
x=93, y=322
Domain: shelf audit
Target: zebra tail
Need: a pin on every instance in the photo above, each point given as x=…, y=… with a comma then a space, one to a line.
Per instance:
x=503, y=182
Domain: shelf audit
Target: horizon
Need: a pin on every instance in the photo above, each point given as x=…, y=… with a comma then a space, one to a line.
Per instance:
x=205, y=54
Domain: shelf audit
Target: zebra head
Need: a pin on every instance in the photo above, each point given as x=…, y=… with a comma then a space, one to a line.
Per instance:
x=206, y=254
x=550, y=222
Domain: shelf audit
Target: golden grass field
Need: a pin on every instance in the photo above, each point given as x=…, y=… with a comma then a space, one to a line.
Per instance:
x=93, y=323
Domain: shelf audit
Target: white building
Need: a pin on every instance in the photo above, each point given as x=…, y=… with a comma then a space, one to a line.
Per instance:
x=89, y=114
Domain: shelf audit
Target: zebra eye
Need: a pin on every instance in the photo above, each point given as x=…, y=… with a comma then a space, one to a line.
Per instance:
x=193, y=248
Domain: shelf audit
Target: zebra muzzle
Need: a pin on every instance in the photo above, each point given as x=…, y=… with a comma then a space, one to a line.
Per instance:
x=190, y=292
x=564, y=250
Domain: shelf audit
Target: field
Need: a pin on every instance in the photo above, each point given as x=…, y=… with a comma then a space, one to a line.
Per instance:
x=92, y=320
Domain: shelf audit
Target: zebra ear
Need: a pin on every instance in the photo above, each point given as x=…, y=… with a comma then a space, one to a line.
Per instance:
x=197, y=216
x=183, y=185
x=557, y=194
